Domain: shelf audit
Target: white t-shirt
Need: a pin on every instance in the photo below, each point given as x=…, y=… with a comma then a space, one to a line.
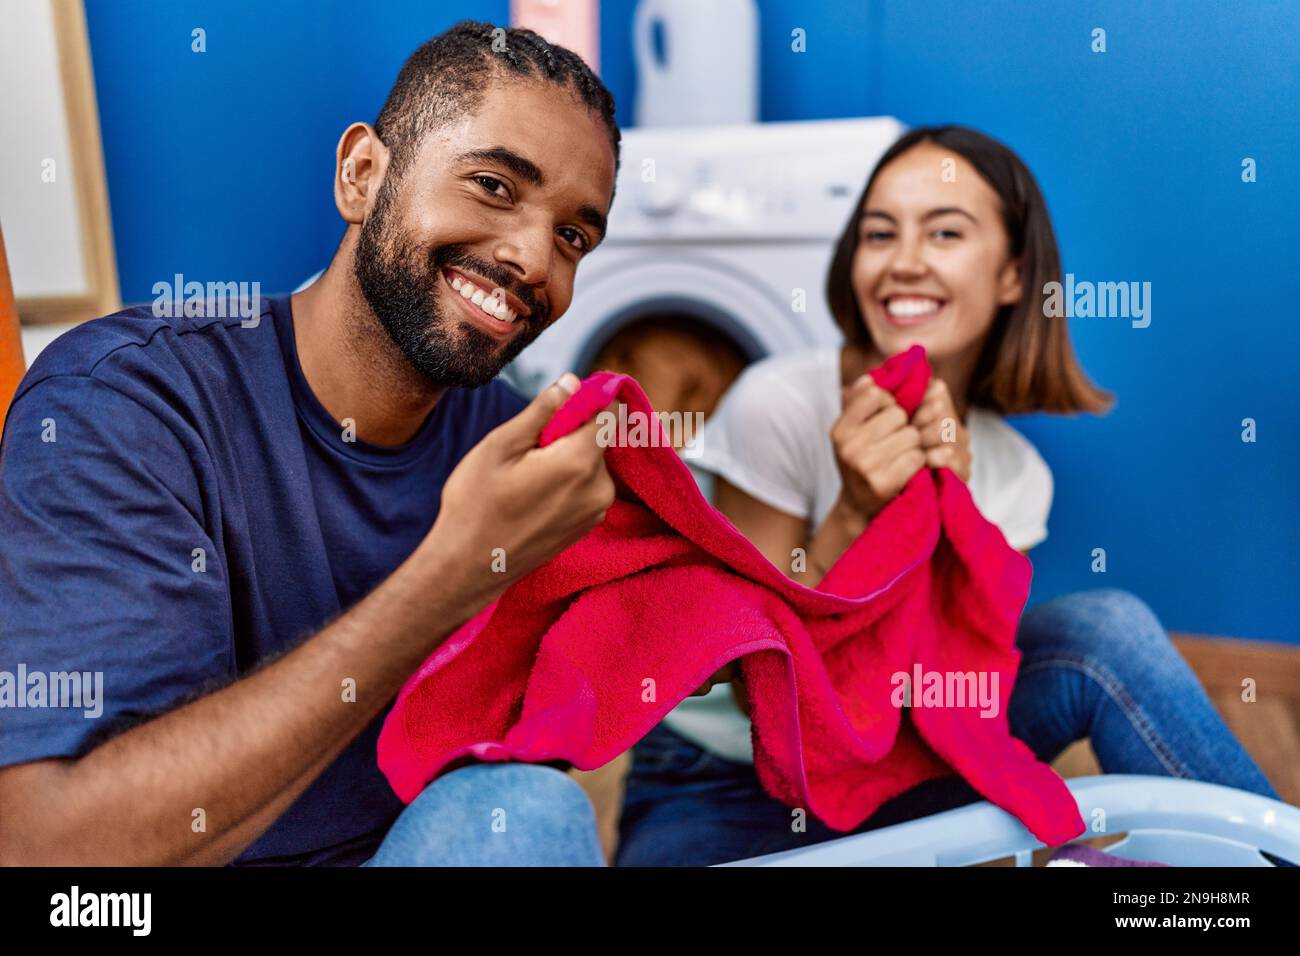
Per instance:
x=770, y=437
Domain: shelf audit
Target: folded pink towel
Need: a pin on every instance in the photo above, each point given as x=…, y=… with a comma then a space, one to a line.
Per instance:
x=578, y=660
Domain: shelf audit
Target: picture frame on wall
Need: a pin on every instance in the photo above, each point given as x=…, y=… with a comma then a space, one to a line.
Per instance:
x=54, y=209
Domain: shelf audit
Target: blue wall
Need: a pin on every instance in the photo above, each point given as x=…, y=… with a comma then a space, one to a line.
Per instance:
x=220, y=165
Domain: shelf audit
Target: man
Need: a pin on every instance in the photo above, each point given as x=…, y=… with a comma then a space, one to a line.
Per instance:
x=252, y=532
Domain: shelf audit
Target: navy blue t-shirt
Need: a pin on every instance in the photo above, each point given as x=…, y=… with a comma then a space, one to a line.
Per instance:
x=134, y=442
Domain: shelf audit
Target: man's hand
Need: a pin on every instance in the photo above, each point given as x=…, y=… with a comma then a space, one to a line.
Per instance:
x=727, y=672
x=944, y=439
x=529, y=502
x=876, y=448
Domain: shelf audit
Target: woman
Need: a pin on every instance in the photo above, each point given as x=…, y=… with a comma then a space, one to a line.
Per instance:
x=950, y=246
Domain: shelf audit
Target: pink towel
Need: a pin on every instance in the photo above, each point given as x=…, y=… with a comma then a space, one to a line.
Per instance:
x=580, y=659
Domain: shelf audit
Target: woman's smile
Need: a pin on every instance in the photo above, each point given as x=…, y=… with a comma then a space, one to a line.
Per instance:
x=909, y=310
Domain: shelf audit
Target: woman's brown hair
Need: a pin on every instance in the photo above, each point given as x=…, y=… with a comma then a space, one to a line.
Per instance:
x=1027, y=363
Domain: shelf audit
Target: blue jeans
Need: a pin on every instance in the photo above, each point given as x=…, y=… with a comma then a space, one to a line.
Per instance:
x=495, y=814
x=1095, y=664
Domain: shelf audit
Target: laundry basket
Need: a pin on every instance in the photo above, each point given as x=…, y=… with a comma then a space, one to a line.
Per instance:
x=1168, y=820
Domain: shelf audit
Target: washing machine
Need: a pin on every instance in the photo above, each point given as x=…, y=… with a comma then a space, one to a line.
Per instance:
x=726, y=229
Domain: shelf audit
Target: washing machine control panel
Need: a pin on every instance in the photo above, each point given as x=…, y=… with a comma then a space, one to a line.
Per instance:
x=769, y=181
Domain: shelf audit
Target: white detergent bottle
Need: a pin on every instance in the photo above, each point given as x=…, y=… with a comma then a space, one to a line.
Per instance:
x=697, y=62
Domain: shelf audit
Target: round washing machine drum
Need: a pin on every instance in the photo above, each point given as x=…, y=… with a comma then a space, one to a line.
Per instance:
x=755, y=319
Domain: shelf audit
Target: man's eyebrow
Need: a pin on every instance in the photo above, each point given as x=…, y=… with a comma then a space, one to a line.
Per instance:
x=522, y=167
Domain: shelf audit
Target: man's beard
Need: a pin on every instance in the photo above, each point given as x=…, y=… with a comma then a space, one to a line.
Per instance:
x=446, y=350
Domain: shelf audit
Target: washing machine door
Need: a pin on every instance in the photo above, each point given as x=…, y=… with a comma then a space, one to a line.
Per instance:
x=709, y=290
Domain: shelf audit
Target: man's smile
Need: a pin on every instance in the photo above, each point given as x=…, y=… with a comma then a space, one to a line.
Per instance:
x=492, y=309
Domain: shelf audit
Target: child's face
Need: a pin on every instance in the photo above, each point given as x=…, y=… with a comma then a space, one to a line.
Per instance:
x=932, y=262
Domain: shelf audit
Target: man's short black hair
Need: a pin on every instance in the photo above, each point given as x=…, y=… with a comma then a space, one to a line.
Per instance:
x=446, y=76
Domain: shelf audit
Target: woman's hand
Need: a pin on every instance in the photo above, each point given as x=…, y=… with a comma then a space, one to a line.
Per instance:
x=876, y=448
x=944, y=439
